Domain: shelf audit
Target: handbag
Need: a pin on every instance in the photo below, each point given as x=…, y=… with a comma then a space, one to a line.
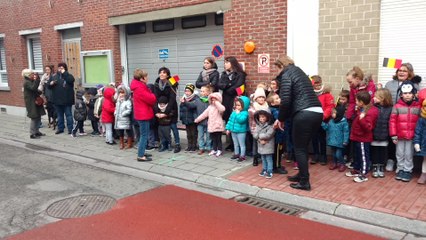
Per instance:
x=39, y=101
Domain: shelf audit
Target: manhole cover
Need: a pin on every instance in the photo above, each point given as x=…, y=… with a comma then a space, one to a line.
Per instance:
x=273, y=206
x=80, y=206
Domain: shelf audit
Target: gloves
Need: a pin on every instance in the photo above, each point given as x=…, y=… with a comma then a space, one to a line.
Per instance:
x=417, y=147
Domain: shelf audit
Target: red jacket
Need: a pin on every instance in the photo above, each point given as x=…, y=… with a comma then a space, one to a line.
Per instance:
x=403, y=120
x=327, y=104
x=143, y=101
x=108, y=106
x=371, y=88
x=362, y=129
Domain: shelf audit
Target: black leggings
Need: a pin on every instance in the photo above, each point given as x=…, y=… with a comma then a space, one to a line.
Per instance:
x=129, y=132
x=305, y=125
x=216, y=140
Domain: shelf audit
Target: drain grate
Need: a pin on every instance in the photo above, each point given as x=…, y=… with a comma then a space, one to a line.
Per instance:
x=273, y=206
x=80, y=206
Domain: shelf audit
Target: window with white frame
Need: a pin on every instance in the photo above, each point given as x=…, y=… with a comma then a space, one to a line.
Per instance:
x=3, y=72
x=35, y=57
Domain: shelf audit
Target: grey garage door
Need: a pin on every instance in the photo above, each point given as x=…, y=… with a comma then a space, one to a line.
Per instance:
x=186, y=49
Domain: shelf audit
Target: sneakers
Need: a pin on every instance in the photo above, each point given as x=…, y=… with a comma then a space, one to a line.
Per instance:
x=360, y=179
x=342, y=168
x=235, y=156
x=73, y=135
x=375, y=173
x=389, y=165
x=352, y=173
x=350, y=165
x=262, y=173
x=241, y=159
x=295, y=166
x=218, y=153
x=268, y=175
x=333, y=166
x=381, y=171
x=201, y=152
x=406, y=176
x=399, y=175
x=212, y=152
x=82, y=134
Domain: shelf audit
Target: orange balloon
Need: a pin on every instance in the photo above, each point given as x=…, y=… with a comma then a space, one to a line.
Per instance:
x=249, y=47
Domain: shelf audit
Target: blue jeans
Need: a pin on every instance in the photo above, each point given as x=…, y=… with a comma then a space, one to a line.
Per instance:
x=239, y=140
x=61, y=110
x=175, y=131
x=266, y=162
x=338, y=155
x=143, y=136
x=207, y=144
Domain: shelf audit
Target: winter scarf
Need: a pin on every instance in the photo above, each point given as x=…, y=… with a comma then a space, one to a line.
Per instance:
x=189, y=98
x=258, y=107
x=204, y=99
x=206, y=73
x=162, y=85
x=319, y=91
x=162, y=109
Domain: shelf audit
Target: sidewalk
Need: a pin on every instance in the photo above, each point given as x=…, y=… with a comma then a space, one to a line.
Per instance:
x=380, y=202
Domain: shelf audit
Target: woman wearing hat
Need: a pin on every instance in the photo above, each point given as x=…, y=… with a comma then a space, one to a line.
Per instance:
x=300, y=104
x=34, y=108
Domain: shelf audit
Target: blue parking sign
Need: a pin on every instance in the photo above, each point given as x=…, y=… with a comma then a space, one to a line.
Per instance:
x=163, y=53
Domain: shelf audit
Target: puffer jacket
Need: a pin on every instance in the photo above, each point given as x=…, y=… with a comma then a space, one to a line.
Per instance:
x=188, y=110
x=327, y=102
x=80, y=108
x=381, y=131
x=214, y=113
x=362, y=129
x=228, y=84
x=238, y=122
x=123, y=110
x=108, y=106
x=420, y=136
x=264, y=131
x=337, y=133
x=296, y=92
x=403, y=120
x=201, y=105
x=370, y=88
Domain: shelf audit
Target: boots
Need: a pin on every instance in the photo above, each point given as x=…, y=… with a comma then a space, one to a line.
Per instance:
x=256, y=160
x=121, y=142
x=422, y=179
x=177, y=148
x=303, y=184
x=381, y=170
x=294, y=178
x=129, y=142
x=315, y=159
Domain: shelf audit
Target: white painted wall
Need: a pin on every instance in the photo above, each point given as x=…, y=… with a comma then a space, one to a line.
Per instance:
x=302, y=36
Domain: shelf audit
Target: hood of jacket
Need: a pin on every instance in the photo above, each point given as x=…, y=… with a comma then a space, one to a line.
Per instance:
x=245, y=102
x=79, y=94
x=216, y=95
x=109, y=93
x=267, y=113
x=126, y=91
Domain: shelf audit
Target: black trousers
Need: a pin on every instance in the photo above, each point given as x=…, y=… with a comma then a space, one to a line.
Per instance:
x=276, y=158
x=216, y=140
x=191, y=133
x=379, y=154
x=305, y=125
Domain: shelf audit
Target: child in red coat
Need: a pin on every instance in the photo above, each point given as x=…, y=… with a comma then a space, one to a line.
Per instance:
x=327, y=103
x=402, y=125
x=107, y=115
x=362, y=136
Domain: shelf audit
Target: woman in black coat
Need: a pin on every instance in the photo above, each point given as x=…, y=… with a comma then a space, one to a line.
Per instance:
x=301, y=105
x=34, y=111
x=209, y=75
x=231, y=79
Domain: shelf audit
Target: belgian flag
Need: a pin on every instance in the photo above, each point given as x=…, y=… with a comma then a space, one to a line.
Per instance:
x=240, y=90
x=392, y=62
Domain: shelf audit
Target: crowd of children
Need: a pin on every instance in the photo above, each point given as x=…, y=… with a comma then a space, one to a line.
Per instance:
x=358, y=138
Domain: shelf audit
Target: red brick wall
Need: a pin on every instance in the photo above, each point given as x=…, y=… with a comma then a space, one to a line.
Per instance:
x=263, y=22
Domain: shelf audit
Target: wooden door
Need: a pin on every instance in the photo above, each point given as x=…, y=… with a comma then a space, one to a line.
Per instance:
x=72, y=58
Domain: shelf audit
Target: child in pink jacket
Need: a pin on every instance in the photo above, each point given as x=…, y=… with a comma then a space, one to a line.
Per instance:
x=215, y=125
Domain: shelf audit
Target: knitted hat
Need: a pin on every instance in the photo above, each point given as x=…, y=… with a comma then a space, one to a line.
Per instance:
x=163, y=99
x=340, y=113
x=260, y=92
x=26, y=72
x=407, y=87
x=190, y=87
x=99, y=86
